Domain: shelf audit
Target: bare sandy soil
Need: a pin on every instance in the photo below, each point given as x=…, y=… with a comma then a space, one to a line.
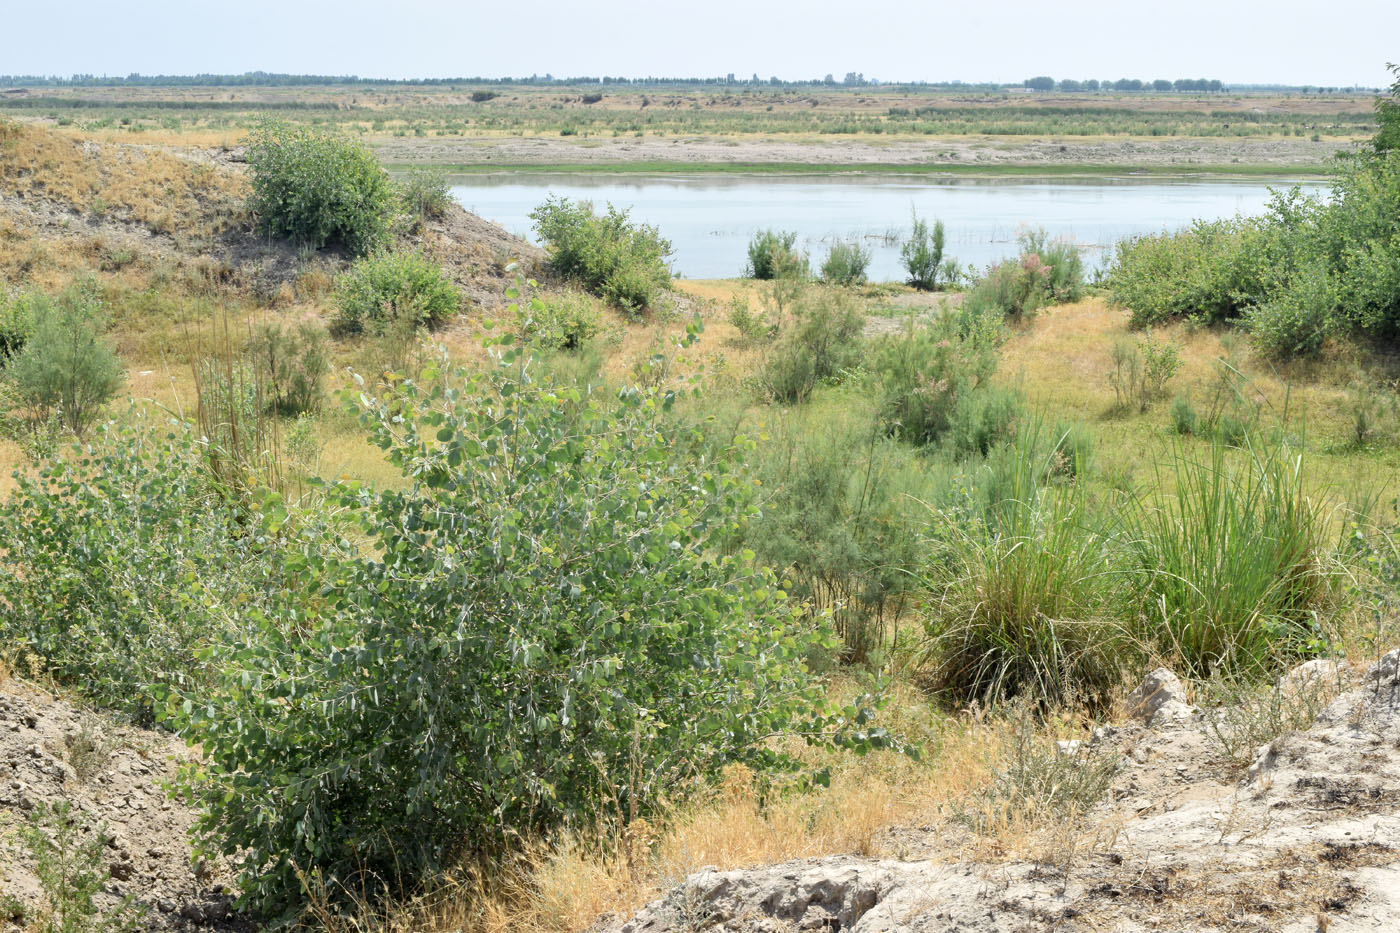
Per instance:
x=957, y=151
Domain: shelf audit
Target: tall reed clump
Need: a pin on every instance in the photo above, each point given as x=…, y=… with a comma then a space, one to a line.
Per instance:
x=1231, y=568
x=1025, y=589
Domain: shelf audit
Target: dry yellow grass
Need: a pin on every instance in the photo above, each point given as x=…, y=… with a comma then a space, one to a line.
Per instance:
x=148, y=185
x=882, y=805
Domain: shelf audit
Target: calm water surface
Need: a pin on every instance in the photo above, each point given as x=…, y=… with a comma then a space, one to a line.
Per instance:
x=710, y=219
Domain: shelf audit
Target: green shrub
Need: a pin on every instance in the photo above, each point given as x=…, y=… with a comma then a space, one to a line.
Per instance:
x=386, y=290
x=922, y=254
x=983, y=417
x=752, y=327
x=1185, y=419
x=16, y=323
x=820, y=344
x=774, y=255
x=540, y=628
x=1064, y=278
x=611, y=256
x=1205, y=272
x=1013, y=288
x=425, y=193
x=143, y=566
x=1305, y=270
x=1231, y=566
x=845, y=516
x=562, y=321
x=1294, y=321
x=65, y=851
x=67, y=367
x=1141, y=370
x=846, y=264
x=924, y=373
x=317, y=188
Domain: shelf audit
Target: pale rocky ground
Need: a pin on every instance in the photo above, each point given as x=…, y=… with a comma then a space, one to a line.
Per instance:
x=1307, y=840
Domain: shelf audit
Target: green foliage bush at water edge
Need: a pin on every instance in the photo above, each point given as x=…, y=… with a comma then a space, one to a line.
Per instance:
x=922, y=254
x=846, y=264
x=773, y=254
x=1307, y=270
x=610, y=255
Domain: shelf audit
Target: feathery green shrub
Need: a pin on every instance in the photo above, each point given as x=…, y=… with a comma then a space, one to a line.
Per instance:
x=846, y=264
x=774, y=255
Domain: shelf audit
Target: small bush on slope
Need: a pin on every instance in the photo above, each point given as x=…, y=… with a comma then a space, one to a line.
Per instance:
x=66, y=366
x=393, y=289
x=317, y=188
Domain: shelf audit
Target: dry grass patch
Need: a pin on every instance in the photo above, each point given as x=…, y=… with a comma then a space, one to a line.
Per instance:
x=163, y=192
x=883, y=805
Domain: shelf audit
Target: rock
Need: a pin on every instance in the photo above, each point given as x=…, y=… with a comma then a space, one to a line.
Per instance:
x=1068, y=747
x=1316, y=674
x=1385, y=673
x=821, y=894
x=1160, y=699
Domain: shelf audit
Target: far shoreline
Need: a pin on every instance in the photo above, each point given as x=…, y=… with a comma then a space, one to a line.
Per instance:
x=930, y=171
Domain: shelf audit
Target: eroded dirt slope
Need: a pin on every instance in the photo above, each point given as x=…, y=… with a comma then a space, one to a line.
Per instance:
x=70, y=205
x=116, y=777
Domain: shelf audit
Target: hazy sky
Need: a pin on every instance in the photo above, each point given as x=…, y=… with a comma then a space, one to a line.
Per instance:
x=1342, y=42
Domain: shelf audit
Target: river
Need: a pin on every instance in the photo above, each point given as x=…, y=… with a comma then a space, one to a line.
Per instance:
x=710, y=219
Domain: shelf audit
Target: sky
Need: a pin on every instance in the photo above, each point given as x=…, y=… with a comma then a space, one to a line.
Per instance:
x=1340, y=43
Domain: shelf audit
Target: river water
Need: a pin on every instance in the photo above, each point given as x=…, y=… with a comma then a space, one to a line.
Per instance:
x=710, y=219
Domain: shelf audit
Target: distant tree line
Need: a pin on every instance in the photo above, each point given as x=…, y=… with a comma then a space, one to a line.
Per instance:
x=1047, y=83
x=851, y=79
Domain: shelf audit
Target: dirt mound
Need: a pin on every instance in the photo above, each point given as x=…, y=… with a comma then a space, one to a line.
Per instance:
x=115, y=778
x=1308, y=840
x=67, y=205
